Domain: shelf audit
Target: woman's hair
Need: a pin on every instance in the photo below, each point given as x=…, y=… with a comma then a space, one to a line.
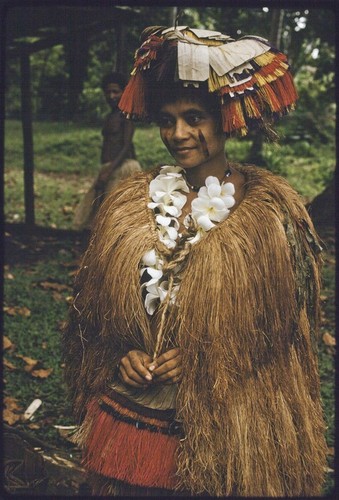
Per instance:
x=163, y=87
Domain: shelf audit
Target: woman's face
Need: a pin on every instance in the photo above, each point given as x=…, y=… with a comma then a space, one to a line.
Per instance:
x=190, y=133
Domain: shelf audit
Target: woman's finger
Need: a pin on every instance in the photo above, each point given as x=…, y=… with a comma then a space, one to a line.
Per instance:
x=135, y=369
x=168, y=366
x=131, y=378
x=170, y=377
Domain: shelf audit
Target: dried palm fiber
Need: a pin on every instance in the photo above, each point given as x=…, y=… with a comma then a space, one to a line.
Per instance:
x=245, y=319
x=225, y=66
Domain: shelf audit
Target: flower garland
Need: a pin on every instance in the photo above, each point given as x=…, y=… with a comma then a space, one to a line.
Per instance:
x=211, y=205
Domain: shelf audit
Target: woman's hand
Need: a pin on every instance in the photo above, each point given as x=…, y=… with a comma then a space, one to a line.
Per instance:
x=133, y=369
x=167, y=368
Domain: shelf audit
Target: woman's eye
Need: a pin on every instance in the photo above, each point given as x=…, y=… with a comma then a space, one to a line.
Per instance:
x=164, y=121
x=194, y=119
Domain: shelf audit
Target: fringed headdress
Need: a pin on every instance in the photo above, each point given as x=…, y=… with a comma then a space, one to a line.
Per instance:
x=251, y=78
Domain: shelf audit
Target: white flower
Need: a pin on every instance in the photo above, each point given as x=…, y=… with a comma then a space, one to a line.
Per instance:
x=165, y=191
x=155, y=294
x=213, y=208
x=167, y=221
x=156, y=275
x=150, y=258
x=170, y=171
x=213, y=203
x=168, y=235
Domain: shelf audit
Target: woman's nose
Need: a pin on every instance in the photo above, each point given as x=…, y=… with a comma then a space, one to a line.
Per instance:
x=181, y=130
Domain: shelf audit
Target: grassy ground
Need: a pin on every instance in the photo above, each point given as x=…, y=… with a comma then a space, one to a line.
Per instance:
x=39, y=270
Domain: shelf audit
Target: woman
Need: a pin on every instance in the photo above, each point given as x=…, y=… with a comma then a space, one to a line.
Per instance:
x=190, y=349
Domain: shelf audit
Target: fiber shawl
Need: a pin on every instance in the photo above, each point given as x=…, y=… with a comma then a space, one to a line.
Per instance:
x=245, y=319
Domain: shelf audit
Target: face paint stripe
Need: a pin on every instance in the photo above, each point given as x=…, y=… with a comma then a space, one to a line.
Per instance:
x=203, y=144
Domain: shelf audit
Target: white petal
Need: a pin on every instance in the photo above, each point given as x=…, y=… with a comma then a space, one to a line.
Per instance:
x=203, y=193
x=155, y=273
x=171, y=169
x=205, y=223
x=214, y=190
x=178, y=199
x=219, y=215
x=163, y=221
x=153, y=205
x=211, y=180
x=151, y=303
x=196, y=238
x=227, y=188
x=149, y=258
x=170, y=209
x=217, y=203
x=228, y=200
x=172, y=233
x=200, y=204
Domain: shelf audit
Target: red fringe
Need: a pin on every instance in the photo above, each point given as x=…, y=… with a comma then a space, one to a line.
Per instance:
x=132, y=101
x=119, y=450
x=285, y=89
x=237, y=88
x=232, y=116
x=148, y=51
x=270, y=98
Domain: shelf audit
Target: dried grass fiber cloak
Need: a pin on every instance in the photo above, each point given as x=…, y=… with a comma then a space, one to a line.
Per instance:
x=246, y=320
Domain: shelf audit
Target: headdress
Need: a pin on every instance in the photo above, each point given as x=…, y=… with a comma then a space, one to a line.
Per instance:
x=251, y=77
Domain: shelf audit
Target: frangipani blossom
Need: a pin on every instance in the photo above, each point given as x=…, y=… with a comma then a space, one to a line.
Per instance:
x=168, y=235
x=155, y=294
x=166, y=221
x=150, y=258
x=156, y=275
x=211, y=205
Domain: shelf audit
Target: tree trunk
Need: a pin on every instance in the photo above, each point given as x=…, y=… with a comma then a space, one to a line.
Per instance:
x=276, y=27
x=76, y=53
x=27, y=130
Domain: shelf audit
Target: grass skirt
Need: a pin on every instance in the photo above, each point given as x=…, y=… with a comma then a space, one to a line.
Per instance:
x=130, y=443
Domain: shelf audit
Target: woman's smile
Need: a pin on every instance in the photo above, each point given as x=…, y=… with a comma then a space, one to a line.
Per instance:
x=191, y=135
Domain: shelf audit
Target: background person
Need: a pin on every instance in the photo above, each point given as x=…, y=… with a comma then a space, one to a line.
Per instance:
x=117, y=154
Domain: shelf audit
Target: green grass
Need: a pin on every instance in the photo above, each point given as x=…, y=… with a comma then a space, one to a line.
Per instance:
x=38, y=335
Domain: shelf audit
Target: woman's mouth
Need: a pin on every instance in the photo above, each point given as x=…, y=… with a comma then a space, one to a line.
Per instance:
x=183, y=150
